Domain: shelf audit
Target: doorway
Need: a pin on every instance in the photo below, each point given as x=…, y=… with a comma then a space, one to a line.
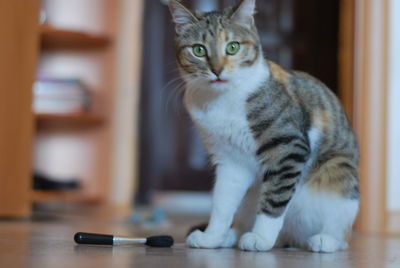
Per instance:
x=301, y=35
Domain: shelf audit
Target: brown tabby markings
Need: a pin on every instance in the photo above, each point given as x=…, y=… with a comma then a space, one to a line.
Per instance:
x=278, y=73
x=321, y=119
x=280, y=115
x=336, y=176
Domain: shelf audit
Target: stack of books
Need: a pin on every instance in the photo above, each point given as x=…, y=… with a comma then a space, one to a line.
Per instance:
x=60, y=96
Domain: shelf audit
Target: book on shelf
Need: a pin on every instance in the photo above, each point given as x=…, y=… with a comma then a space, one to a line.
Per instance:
x=60, y=96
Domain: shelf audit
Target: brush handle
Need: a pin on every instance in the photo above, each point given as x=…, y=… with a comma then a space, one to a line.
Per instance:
x=102, y=239
x=160, y=241
x=93, y=239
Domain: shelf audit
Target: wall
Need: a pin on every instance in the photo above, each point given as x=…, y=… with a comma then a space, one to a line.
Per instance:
x=393, y=186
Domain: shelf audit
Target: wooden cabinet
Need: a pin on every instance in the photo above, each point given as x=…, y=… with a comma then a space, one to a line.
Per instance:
x=76, y=145
x=52, y=38
x=28, y=49
x=18, y=54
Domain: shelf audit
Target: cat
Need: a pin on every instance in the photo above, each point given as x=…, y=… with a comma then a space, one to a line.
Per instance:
x=286, y=157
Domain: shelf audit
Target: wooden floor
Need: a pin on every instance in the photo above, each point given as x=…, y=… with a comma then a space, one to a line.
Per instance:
x=46, y=240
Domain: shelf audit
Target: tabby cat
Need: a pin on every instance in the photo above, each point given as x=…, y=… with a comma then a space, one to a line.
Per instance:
x=286, y=157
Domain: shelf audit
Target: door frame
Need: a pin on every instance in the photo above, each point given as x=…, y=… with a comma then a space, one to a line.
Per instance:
x=363, y=79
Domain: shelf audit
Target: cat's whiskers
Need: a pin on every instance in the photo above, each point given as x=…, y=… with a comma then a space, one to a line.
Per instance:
x=176, y=91
x=170, y=89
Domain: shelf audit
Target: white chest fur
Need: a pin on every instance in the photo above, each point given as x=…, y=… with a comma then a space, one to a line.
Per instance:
x=222, y=122
x=221, y=115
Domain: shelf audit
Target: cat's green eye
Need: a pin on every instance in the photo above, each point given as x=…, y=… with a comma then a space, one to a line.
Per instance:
x=232, y=48
x=199, y=50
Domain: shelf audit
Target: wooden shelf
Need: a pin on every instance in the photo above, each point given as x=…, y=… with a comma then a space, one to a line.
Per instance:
x=38, y=196
x=52, y=38
x=68, y=119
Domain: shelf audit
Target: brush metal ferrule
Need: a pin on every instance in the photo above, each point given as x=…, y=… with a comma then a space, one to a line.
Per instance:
x=121, y=241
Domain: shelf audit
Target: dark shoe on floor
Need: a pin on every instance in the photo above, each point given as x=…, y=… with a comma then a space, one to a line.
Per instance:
x=41, y=182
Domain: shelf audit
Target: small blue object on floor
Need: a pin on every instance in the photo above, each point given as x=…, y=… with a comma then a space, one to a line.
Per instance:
x=148, y=217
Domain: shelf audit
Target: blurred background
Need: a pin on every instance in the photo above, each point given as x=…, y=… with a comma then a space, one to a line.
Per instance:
x=91, y=110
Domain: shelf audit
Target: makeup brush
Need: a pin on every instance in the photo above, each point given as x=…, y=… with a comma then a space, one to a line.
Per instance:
x=161, y=241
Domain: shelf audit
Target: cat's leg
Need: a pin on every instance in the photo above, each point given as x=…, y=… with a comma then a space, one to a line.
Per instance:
x=278, y=187
x=318, y=221
x=232, y=183
x=264, y=233
x=230, y=239
x=275, y=198
x=336, y=220
x=334, y=186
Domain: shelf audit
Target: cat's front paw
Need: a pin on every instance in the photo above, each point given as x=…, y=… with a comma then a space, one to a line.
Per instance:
x=255, y=242
x=324, y=243
x=230, y=239
x=199, y=239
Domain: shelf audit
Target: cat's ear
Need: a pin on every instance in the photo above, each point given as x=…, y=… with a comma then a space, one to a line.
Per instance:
x=180, y=14
x=244, y=12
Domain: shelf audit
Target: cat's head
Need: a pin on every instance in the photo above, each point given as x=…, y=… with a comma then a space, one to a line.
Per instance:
x=219, y=48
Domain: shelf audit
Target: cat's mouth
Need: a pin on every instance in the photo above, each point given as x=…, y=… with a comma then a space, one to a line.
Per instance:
x=218, y=81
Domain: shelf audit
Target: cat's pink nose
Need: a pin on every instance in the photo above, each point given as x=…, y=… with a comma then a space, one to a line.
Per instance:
x=217, y=72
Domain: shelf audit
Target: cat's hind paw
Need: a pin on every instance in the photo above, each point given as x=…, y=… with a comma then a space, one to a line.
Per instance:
x=323, y=243
x=255, y=242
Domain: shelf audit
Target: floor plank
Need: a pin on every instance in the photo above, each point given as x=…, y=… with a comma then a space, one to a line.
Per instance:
x=46, y=240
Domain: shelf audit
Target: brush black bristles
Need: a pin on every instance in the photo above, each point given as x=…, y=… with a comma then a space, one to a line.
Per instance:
x=160, y=241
